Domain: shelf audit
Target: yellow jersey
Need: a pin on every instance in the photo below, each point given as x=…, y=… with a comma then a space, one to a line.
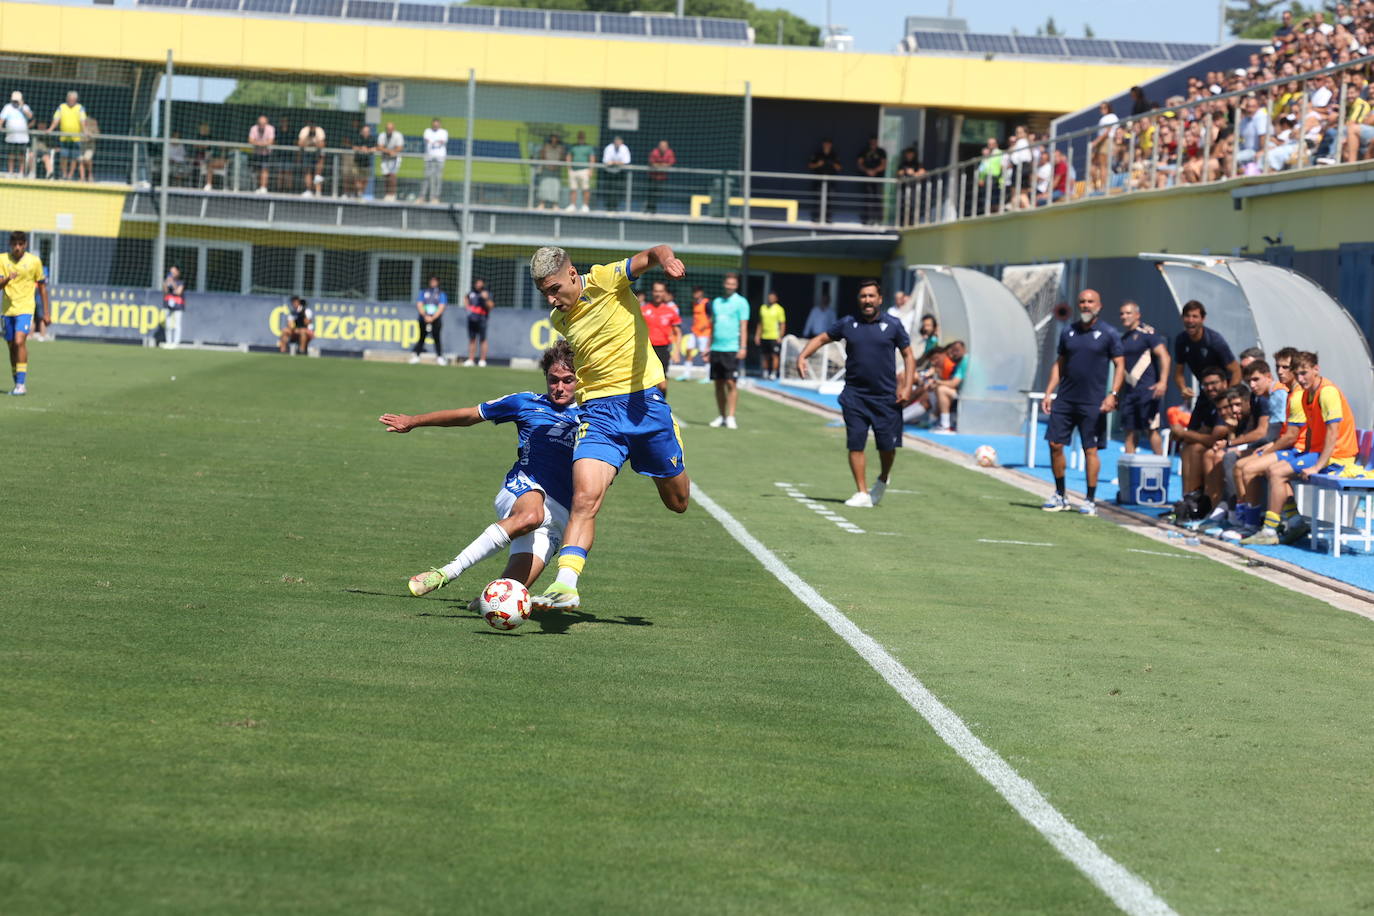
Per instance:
x=771, y=320
x=18, y=293
x=608, y=335
x=69, y=121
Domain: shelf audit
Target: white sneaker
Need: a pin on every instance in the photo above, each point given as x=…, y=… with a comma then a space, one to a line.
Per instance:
x=944, y=430
x=440, y=361
x=1056, y=503
x=1088, y=508
x=481, y=364
x=717, y=423
x=730, y=422
x=208, y=188
x=414, y=358
x=390, y=198
x=860, y=500
x=570, y=207
x=586, y=209
x=876, y=491
x=468, y=362
x=305, y=193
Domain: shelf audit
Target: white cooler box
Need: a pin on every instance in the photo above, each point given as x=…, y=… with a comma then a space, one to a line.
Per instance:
x=1143, y=479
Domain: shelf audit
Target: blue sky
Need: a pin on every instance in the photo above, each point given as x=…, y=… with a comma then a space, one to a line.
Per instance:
x=877, y=24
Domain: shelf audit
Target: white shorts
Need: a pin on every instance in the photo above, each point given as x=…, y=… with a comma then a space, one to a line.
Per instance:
x=391, y=166
x=543, y=541
x=580, y=179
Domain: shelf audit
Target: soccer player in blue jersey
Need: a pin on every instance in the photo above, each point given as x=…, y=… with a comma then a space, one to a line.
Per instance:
x=624, y=415
x=1086, y=349
x=531, y=506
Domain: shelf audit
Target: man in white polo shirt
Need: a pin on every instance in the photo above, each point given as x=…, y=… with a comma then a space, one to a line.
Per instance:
x=436, y=153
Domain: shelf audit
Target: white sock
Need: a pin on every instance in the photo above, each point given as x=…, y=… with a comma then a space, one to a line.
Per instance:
x=567, y=576
x=486, y=544
x=944, y=420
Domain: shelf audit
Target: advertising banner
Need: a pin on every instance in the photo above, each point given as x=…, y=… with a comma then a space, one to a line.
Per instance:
x=340, y=325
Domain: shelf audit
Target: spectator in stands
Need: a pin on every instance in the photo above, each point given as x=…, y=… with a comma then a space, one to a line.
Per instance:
x=297, y=328
x=614, y=158
x=214, y=162
x=1086, y=349
x=1195, y=440
x=1254, y=130
x=1101, y=148
x=581, y=159
x=819, y=318
x=479, y=307
x=665, y=327
x=1331, y=448
x=1139, y=103
x=361, y=163
x=310, y=143
x=1197, y=346
x=549, y=175
x=729, y=341
x=953, y=368
x=989, y=176
x=178, y=162
x=1359, y=122
x=261, y=137
x=391, y=144
x=42, y=151
x=1020, y=160
x=16, y=118
x=1059, y=188
x=909, y=173
x=661, y=161
x=825, y=164
x=1147, y=362
x=873, y=163
x=67, y=120
x=174, y=301
x=768, y=334
x=429, y=309
x=436, y=155
x=872, y=390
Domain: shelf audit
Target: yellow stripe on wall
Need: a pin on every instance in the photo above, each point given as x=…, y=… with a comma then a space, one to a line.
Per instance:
x=47, y=206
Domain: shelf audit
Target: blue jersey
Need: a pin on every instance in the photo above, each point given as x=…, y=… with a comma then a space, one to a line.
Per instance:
x=1197, y=355
x=546, y=436
x=431, y=298
x=1087, y=352
x=1136, y=344
x=869, y=368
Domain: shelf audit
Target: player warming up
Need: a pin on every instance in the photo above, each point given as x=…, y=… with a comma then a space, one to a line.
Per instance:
x=21, y=276
x=532, y=503
x=624, y=415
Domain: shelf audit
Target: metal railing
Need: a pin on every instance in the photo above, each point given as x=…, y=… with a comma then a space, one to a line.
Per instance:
x=1198, y=142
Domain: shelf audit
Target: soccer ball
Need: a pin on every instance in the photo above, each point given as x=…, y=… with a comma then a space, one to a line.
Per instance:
x=986, y=456
x=505, y=604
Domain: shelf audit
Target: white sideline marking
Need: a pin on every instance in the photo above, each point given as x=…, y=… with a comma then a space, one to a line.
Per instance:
x=1160, y=553
x=821, y=509
x=1129, y=892
x=1020, y=543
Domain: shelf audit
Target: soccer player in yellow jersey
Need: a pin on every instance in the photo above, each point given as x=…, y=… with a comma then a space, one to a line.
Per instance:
x=21, y=276
x=624, y=415
x=769, y=333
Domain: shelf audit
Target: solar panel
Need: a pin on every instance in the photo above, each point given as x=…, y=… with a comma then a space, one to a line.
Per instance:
x=172, y=3
x=1000, y=44
x=471, y=15
x=938, y=41
x=420, y=12
x=673, y=27
x=1185, y=52
x=563, y=21
x=214, y=4
x=620, y=24
x=371, y=9
x=331, y=8
x=725, y=29
x=1034, y=44
x=522, y=19
x=1142, y=50
x=1089, y=47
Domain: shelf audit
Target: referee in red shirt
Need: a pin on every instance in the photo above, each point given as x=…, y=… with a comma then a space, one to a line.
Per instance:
x=665, y=327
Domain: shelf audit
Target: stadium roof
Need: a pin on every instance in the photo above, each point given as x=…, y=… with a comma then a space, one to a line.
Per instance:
x=606, y=25
x=981, y=44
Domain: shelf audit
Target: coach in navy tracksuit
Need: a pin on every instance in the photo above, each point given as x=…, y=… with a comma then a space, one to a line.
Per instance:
x=873, y=395
x=1086, y=348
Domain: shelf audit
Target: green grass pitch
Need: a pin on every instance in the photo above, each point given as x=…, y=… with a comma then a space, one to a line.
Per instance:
x=219, y=698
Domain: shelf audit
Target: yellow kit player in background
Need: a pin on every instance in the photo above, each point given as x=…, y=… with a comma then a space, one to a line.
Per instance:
x=21, y=276
x=624, y=414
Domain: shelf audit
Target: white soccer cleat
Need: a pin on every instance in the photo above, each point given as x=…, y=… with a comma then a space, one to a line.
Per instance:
x=1056, y=503
x=19, y=390
x=481, y=364
x=730, y=423
x=875, y=492
x=426, y=582
x=717, y=423
x=860, y=500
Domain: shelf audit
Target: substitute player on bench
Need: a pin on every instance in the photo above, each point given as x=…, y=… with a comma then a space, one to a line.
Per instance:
x=624, y=415
x=531, y=506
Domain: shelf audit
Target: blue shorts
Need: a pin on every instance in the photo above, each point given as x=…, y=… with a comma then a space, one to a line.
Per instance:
x=1138, y=411
x=17, y=324
x=638, y=426
x=1088, y=419
x=1300, y=461
x=882, y=415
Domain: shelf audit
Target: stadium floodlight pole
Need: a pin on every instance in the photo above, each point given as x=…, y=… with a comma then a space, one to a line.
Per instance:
x=160, y=249
x=747, y=236
x=464, y=245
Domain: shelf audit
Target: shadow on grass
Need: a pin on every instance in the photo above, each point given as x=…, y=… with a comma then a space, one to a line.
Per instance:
x=554, y=623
